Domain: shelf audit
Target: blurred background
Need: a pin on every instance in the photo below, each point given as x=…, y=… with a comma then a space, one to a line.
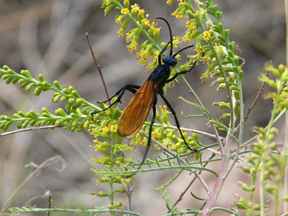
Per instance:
x=48, y=37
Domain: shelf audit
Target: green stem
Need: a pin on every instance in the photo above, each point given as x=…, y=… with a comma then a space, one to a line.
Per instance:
x=111, y=182
x=96, y=210
x=207, y=113
x=263, y=156
x=194, y=94
x=276, y=197
x=137, y=23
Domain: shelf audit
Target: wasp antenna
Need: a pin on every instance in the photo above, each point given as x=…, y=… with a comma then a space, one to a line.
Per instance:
x=182, y=50
x=171, y=38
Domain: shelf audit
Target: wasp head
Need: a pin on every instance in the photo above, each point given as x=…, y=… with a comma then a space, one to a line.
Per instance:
x=169, y=60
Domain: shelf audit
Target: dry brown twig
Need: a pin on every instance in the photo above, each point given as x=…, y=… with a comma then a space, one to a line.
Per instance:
x=99, y=69
x=34, y=174
x=253, y=103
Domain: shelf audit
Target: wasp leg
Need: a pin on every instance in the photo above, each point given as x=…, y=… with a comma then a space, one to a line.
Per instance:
x=181, y=72
x=150, y=131
x=176, y=120
x=119, y=93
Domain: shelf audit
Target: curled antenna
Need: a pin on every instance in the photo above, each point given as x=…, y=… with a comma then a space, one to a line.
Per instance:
x=171, y=38
x=182, y=50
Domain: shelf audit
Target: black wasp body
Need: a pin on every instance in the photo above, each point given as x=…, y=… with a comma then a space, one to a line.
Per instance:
x=145, y=97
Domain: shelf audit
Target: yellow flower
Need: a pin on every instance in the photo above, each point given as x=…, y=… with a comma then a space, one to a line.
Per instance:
x=203, y=77
x=141, y=12
x=156, y=30
x=121, y=32
x=203, y=10
x=152, y=64
x=118, y=20
x=106, y=129
x=155, y=134
x=146, y=22
x=178, y=14
x=206, y=36
x=125, y=11
x=177, y=145
x=107, y=2
x=133, y=46
x=143, y=57
x=135, y=8
x=176, y=40
x=113, y=128
x=192, y=27
x=169, y=2
x=184, y=133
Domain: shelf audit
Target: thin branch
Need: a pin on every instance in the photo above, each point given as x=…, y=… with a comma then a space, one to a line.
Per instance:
x=254, y=103
x=129, y=195
x=285, y=187
x=241, y=128
x=255, y=100
x=189, y=130
x=181, y=160
x=247, y=142
x=33, y=175
x=191, y=90
x=164, y=148
x=217, y=138
x=203, y=133
x=49, y=204
x=30, y=129
x=218, y=185
x=99, y=69
x=233, y=162
x=225, y=156
x=29, y=202
x=189, y=185
x=280, y=115
x=34, y=128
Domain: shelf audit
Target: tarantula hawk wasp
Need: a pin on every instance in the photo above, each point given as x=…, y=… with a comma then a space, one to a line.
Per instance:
x=145, y=96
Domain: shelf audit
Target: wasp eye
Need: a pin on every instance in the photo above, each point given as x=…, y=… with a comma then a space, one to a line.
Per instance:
x=170, y=60
x=173, y=62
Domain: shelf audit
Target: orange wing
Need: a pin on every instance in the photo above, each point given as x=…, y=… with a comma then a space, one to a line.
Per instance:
x=137, y=110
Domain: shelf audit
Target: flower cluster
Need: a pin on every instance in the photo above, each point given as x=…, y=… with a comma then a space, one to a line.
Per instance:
x=279, y=97
x=191, y=33
x=105, y=126
x=73, y=117
x=181, y=10
x=268, y=157
x=144, y=26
